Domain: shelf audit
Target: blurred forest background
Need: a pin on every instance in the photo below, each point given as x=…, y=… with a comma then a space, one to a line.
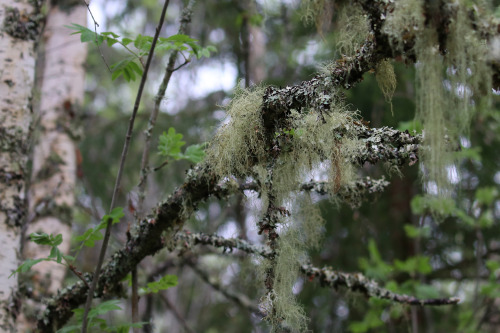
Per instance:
x=393, y=237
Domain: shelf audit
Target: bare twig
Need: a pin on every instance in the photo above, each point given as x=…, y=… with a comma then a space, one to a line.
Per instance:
x=176, y=313
x=95, y=31
x=240, y=299
x=185, y=19
x=107, y=233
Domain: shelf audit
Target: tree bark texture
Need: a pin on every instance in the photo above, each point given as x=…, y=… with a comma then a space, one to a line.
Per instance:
x=55, y=152
x=18, y=34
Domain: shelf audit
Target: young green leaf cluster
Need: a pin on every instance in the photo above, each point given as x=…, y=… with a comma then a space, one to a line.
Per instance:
x=132, y=65
x=170, y=145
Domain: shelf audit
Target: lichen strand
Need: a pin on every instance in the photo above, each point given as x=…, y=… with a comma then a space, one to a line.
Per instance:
x=452, y=75
x=301, y=232
x=329, y=138
x=238, y=145
x=431, y=108
x=315, y=11
x=354, y=30
x=468, y=69
x=386, y=79
x=405, y=20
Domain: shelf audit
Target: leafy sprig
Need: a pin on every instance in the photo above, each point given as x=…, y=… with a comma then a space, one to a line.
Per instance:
x=170, y=144
x=132, y=66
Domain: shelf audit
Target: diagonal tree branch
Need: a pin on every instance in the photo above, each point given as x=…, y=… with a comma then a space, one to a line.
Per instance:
x=170, y=216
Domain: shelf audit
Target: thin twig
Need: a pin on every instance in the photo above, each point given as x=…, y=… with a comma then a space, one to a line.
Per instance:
x=185, y=19
x=176, y=313
x=95, y=31
x=240, y=299
x=107, y=234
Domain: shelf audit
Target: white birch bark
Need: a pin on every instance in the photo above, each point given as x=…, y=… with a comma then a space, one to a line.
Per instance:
x=54, y=155
x=17, y=72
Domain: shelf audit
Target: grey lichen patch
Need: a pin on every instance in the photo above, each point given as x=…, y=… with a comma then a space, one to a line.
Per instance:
x=21, y=25
x=48, y=207
x=386, y=79
x=239, y=144
x=50, y=167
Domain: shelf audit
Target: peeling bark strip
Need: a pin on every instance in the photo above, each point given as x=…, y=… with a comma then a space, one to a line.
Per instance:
x=17, y=72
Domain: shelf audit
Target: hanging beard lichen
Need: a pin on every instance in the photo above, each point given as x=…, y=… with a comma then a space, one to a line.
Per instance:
x=238, y=144
x=386, y=79
x=449, y=83
x=432, y=111
x=354, y=29
x=300, y=232
x=319, y=12
x=327, y=140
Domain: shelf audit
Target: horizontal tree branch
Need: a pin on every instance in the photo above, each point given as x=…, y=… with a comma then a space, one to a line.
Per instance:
x=327, y=277
x=359, y=283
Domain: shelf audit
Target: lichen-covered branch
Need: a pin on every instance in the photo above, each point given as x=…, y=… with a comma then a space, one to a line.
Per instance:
x=148, y=240
x=170, y=216
x=351, y=193
x=359, y=283
x=327, y=277
x=186, y=240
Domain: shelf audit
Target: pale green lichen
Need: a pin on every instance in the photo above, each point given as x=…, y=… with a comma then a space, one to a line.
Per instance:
x=238, y=144
x=313, y=11
x=327, y=140
x=468, y=69
x=406, y=19
x=298, y=234
x=386, y=79
x=354, y=29
x=450, y=84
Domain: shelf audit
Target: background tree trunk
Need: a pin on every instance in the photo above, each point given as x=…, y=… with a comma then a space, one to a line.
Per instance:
x=17, y=63
x=55, y=153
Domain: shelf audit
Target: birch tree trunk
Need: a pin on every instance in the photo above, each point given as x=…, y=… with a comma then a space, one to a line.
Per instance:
x=19, y=32
x=55, y=152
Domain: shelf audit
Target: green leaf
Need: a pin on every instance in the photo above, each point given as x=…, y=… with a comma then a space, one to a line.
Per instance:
x=418, y=205
x=125, y=67
x=195, y=153
x=41, y=238
x=104, y=307
x=143, y=42
x=110, y=33
x=111, y=41
x=126, y=41
x=26, y=265
x=170, y=144
x=416, y=264
x=411, y=125
x=164, y=283
x=486, y=195
x=116, y=215
x=179, y=38
x=91, y=235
